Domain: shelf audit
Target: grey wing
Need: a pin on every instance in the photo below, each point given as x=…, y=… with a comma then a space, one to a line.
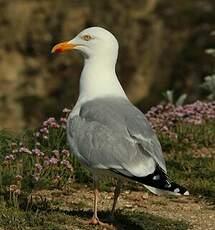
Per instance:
x=104, y=136
x=119, y=114
x=100, y=147
x=140, y=129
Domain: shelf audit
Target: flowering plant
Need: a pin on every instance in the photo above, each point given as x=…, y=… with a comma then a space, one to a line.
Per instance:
x=41, y=160
x=184, y=124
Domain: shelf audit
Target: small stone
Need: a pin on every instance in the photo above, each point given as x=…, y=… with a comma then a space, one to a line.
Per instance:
x=145, y=196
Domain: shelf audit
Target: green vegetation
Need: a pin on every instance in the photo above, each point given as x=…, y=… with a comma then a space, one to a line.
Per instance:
x=14, y=219
x=38, y=160
x=197, y=174
x=189, y=136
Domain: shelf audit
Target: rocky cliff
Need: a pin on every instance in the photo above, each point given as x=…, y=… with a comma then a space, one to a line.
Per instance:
x=161, y=46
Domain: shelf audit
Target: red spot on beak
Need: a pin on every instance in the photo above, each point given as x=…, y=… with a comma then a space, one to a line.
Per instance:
x=58, y=50
x=63, y=46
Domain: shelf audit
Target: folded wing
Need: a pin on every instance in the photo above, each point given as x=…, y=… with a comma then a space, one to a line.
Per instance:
x=114, y=135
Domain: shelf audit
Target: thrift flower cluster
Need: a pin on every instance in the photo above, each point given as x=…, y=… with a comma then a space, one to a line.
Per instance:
x=51, y=123
x=165, y=117
x=47, y=158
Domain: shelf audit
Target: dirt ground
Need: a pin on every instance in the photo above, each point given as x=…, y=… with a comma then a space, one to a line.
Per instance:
x=135, y=210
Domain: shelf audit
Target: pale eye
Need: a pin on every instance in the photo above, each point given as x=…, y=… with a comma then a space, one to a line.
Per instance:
x=86, y=37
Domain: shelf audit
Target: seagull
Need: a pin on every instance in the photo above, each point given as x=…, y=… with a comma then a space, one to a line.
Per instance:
x=105, y=131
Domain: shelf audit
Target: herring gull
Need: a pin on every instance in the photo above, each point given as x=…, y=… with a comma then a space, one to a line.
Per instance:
x=105, y=131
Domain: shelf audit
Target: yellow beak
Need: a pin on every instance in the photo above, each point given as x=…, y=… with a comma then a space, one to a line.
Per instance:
x=63, y=46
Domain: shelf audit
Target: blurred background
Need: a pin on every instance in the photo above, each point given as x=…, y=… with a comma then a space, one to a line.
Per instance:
x=162, y=46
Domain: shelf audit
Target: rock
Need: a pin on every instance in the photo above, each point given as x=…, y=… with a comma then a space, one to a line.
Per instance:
x=160, y=45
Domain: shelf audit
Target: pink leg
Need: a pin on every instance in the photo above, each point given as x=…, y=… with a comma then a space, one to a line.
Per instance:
x=116, y=195
x=95, y=219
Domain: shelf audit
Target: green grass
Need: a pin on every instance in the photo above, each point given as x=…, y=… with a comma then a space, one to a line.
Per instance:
x=196, y=174
x=13, y=219
x=189, y=135
x=6, y=138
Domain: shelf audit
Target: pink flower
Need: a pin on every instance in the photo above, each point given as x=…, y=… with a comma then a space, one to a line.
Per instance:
x=51, y=119
x=9, y=157
x=63, y=120
x=56, y=178
x=168, y=115
x=46, y=161
x=45, y=124
x=67, y=164
x=37, y=152
x=38, y=168
x=49, y=122
x=12, y=188
x=25, y=150
x=44, y=130
x=18, y=178
x=17, y=192
x=65, y=152
x=54, y=125
x=53, y=161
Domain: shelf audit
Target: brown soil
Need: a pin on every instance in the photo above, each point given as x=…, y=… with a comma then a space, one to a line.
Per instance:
x=197, y=214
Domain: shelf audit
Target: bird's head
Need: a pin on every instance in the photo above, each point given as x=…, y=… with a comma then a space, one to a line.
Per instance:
x=91, y=42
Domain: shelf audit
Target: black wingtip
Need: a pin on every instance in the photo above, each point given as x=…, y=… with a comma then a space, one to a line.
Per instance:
x=158, y=179
x=178, y=189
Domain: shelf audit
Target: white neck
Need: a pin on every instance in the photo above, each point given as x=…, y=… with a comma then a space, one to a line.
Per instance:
x=98, y=79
